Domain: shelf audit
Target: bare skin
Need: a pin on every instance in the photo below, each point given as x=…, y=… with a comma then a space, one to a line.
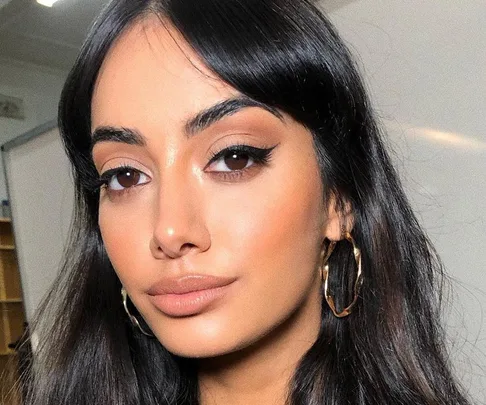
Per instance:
x=178, y=212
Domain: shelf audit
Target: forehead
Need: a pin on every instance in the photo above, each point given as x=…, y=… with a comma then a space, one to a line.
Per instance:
x=151, y=72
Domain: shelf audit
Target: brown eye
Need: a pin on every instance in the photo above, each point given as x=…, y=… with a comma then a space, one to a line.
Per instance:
x=236, y=160
x=123, y=178
x=128, y=178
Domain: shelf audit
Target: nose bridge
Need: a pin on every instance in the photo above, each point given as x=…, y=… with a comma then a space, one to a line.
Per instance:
x=173, y=202
x=178, y=220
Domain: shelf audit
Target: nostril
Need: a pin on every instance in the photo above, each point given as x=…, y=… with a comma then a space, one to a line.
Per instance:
x=187, y=246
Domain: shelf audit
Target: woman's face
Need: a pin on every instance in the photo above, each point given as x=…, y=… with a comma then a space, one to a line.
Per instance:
x=212, y=213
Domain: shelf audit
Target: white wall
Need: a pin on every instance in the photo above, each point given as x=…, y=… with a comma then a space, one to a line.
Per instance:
x=425, y=64
x=41, y=219
x=40, y=89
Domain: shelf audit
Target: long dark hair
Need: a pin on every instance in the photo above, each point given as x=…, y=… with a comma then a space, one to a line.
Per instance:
x=287, y=55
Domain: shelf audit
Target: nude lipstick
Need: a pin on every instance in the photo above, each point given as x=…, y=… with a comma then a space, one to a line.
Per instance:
x=188, y=295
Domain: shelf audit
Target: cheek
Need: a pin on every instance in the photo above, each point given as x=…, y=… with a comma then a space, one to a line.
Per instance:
x=272, y=232
x=280, y=214
x=126, y=237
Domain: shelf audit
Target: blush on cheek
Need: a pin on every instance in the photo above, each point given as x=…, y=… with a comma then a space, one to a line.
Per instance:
x=295, y=214
x=279, y=231
x=123, y=240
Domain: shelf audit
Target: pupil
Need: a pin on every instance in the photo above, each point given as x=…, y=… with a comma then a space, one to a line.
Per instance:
x=128, y=178
x=236, y=161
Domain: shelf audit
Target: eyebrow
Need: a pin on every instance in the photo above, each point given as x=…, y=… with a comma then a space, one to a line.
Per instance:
x=193, y=126
x=228, y=107
x=121, y=135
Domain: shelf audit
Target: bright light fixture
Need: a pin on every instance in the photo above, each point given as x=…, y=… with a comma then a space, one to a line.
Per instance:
x=47, y=3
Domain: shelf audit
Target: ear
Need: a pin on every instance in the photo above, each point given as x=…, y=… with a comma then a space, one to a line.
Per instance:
x=339, y=220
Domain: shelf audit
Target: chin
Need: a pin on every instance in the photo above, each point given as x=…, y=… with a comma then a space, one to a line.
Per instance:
x=200, y=349
x=202, y=339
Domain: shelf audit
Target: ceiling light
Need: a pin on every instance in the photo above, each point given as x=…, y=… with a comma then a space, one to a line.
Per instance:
x=47, y=3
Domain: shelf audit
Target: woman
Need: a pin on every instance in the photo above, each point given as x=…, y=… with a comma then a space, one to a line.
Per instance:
x=240, y=236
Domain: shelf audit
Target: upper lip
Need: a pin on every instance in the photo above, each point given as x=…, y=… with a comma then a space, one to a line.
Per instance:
x=188, y=283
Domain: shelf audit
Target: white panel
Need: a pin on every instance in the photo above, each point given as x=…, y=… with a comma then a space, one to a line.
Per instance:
x=425, y=65
x=38, y=88
x=3, y=3
x=41, y=194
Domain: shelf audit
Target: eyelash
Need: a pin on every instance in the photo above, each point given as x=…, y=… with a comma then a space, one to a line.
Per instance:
x=259, y=156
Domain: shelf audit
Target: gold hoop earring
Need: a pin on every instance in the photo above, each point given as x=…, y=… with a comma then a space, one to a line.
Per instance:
x=325, y=277
x=132, y=318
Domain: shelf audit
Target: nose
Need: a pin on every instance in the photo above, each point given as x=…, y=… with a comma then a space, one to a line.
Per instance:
x=179, y=223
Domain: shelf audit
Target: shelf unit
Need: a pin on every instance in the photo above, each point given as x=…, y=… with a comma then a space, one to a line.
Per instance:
x=11, y=307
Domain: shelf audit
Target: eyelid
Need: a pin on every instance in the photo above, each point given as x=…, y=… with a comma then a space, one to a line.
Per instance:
x=124, y=162
x=120, y=169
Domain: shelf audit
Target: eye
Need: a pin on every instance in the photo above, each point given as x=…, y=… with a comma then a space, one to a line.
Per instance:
x=123, y=178
x=233, y=160
x=238, y=158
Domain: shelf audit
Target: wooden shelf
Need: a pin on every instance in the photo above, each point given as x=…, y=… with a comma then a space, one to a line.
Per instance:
x=10, y=300
x=12, y=318
x=8, y=353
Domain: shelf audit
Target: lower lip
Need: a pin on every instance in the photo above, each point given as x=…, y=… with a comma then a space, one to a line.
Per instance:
x=193, y=303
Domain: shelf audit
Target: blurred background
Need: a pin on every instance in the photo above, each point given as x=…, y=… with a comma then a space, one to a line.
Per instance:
x=424, y=64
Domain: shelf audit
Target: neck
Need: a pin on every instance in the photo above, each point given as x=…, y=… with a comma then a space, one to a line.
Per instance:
x=261, y=374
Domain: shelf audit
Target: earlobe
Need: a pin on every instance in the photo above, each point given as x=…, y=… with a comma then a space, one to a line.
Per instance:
x=337, y=222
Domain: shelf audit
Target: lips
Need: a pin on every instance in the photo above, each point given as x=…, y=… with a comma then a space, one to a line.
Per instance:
x=188, y=284
x=188, y=295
